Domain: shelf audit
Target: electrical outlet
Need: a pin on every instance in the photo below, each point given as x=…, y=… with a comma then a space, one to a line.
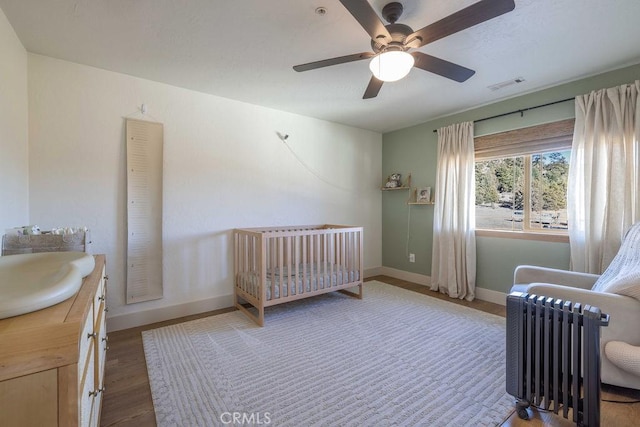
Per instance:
x=412, y=257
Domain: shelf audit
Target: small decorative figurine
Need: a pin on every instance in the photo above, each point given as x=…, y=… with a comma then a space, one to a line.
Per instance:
x=394, y=181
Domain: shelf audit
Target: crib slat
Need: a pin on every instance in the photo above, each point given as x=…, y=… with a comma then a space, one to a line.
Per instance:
x=343, y=260
x=236, y=257
x=272, y=266
x=339, y=263
x=339, y=266
x=262, y=269
x=254, y=254
x=332, y=255
x=347, y=251
x=305, y=261
x=352, y=253
x=349, y=256
x=318, y=268
x=319, y=257
x=296, y=260
x=280, y=244
x=289, y=264
x=360, y=254
x=312, y=261
x=338, y=256
x=241, y=251
x=324, y=262
x=249, y=253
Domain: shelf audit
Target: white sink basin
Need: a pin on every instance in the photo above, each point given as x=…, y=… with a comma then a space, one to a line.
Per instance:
x=30, y=282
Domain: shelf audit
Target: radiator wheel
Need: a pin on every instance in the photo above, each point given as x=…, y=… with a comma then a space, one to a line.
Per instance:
x=522, y=409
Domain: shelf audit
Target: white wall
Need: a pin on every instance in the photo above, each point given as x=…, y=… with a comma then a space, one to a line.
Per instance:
x=14, y=153
x=224, y=167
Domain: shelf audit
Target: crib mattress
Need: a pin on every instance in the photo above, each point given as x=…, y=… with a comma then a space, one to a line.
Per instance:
x=292, y=284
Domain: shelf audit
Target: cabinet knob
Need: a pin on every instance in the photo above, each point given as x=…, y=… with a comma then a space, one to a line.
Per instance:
x=102, y=389
x=106, y=277
x=105, y=338
x=92, y=335
x=93, y=393
x=101, y=298
x=106, y=309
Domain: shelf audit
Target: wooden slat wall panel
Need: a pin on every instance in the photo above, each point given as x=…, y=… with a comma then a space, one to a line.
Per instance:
x=144, y=210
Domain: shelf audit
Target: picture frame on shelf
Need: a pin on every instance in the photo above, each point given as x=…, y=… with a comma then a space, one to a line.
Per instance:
x=423, y=195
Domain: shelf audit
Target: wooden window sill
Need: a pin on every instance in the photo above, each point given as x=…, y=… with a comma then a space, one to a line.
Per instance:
x=524, y=235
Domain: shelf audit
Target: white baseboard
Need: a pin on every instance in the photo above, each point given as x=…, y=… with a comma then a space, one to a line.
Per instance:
x=146, y=317
x=370, y=272
x=491, y=296
x=421, y=279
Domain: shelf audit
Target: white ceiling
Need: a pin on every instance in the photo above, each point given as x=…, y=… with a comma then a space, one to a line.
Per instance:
x=244, y=50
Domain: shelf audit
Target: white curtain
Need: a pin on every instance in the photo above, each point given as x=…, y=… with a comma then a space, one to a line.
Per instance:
x=453, y=266
x=604, y=180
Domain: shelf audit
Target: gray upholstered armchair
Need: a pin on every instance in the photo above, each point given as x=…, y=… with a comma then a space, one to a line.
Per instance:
x=616, y=292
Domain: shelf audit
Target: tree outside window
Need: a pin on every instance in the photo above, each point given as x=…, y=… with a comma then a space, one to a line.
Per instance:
x=523, y=193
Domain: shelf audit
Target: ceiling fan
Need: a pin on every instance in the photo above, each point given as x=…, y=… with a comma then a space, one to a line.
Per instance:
x=391, y=43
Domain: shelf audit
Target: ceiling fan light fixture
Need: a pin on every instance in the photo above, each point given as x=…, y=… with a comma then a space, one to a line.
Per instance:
x=391, y=66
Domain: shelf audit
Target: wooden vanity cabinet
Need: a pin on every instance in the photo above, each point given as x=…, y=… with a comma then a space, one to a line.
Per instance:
x=52, y=360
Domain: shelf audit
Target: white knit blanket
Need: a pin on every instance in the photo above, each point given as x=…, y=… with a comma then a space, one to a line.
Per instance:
x=622, y=277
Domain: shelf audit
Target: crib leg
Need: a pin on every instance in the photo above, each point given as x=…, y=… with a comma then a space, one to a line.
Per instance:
x=259, y=319
x=261, y=315
x=353, y=294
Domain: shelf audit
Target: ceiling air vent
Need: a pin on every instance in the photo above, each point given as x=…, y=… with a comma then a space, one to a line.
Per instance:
x=506, y=83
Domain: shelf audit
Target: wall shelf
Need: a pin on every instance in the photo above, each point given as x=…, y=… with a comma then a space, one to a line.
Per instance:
x=395, y=188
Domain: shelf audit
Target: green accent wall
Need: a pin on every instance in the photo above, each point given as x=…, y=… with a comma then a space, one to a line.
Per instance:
x=409, y=228
x=496, y=259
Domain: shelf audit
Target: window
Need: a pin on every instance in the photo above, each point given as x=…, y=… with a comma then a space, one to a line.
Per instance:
x=521, y=179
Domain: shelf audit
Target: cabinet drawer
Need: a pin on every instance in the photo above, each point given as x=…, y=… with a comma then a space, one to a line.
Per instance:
x=101, y=348
x=94, y=419
x=87, y=338
x=87, y=398
x=101, y=295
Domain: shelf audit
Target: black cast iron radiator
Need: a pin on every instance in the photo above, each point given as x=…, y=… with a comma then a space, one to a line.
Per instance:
x=553, y=356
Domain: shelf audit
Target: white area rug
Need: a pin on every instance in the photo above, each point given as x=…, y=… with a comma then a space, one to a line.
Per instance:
x=395, y=358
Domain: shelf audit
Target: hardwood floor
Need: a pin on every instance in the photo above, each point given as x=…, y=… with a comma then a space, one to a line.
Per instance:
x=127, y=399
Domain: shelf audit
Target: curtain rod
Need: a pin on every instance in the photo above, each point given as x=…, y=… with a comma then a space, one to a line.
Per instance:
x=521, y=111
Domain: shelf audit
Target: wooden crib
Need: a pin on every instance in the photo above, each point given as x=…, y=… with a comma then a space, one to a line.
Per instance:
x=281, y=264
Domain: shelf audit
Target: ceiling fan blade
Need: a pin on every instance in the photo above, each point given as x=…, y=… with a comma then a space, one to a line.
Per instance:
x=463, y=19
x=441, y=67
x=368, y=19
x=334, y=61
x=373, y=88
